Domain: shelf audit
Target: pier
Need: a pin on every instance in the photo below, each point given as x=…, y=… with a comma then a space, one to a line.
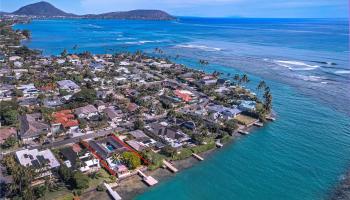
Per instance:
x=218, y=144
x=270, y=118
x=243, y=132
x=113, y=193
x=258, y=124
x=147, y=179
x=198, y=157
x=170, y=166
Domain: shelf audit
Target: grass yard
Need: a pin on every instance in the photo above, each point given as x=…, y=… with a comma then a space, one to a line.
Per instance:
x=245, y=120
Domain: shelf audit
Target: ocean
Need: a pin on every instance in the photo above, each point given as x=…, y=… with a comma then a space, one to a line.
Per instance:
x=303, y=154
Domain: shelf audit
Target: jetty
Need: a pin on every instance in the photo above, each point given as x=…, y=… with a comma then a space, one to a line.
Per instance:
x=243, y=132
x=218, y=144
x=270, y=118
x=170, y=166
x=149, y=180
x=198, y=157
x=258, y=124
x=113, y=193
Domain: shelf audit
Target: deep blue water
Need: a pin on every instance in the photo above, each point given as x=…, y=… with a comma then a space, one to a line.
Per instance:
x=306, y=62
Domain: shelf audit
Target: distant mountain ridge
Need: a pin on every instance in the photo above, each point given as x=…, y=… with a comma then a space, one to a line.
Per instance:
x=45, y=9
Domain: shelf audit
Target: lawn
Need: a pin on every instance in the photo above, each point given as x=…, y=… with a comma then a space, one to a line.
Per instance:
x=244, y=119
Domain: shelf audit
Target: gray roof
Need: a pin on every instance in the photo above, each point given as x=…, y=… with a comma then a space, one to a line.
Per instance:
x=85, y=110
x=67, y=84
x=31, y=125
x=138, y=134
x=112, y=113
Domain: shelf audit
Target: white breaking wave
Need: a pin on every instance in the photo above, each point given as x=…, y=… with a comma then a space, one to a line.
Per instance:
x=201, y=47
x=94, y=26
x=295, y=65
x=126, y=38
x=144, y=42
x=342, y=72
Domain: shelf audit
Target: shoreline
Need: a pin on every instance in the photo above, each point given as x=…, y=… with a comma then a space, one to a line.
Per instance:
x=133, y=186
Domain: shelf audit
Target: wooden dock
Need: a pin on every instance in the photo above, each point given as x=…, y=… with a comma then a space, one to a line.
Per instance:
x=149, y=180
x=170, y=166
x=243, y=132
x=218, y=144
x=258, y=124
x=198, y=157
x=113, y=193
x=270, y=118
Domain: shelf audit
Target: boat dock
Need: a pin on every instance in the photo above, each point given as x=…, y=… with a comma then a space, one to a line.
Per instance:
x=170, y=166
x=270, y=118
x=113, y=193
x=258, y=124
x=243, y=132
x=147, y=179
x=218, y=144
x=198, y=157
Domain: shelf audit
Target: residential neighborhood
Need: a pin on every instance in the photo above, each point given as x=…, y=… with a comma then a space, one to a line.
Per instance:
x=80, y=120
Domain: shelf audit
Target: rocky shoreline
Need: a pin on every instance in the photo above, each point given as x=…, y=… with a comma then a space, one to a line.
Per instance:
x=342, y=190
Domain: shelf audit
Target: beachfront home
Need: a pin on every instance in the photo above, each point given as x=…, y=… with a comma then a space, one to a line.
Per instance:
x=32, y=126
x=107, y=146
x=170, y=135
x=249, y=106
x=44, y=162
x=220, y=111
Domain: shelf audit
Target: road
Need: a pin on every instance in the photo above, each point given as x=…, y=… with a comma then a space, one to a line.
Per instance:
x=99, y=133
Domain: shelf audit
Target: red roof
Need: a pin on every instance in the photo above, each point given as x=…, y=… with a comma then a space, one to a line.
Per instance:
x=65, y=117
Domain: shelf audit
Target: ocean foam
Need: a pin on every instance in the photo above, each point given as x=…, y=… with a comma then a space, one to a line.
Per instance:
x=295, y=65
x=342, y=72
x=201, y=47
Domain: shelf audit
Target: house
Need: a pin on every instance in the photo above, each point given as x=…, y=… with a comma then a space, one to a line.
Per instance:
x=44, y=162
x=185, y=95
x=63, y=119
x=86, y=112
x=220, y=111
x=68, y=85
x=90, y=163
x=6, y=92
x=7, y=132
x=100, y=105
x=32, y=126
x=28, y=90
x=52, y=102
x=113, y=114
x=132, y=107
x=96, y=66
x=170, y=135
x=107, y=146
x=249, y=106
x=14, y=58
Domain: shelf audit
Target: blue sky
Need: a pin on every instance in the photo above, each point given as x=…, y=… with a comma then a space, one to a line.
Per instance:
x=203, y=8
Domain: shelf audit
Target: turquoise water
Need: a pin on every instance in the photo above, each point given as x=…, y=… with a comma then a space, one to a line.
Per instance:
x=301, y=155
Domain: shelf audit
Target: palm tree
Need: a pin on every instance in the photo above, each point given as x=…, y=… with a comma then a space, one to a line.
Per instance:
x=267, y=99
x=244, y=79
x=262, y=85
x=237, y=79
x=203, y=63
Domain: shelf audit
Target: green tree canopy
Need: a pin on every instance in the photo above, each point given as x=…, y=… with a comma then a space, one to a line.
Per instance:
x=80, y=180
x=131, y=159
